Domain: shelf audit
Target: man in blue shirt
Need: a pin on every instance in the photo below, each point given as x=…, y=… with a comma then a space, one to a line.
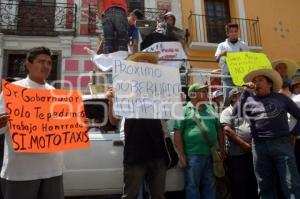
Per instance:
x=272, y=149
x=133, y=32
x=286, y=69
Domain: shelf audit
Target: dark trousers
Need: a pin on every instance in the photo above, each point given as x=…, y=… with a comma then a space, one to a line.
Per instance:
x=154, y=172
x=1, y=158
x=297, y=153
x=242, y=177
x=114, y=21
x=49, y=188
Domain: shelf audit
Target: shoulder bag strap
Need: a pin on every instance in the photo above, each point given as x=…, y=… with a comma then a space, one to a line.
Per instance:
x=202, y=131
x=164, y=128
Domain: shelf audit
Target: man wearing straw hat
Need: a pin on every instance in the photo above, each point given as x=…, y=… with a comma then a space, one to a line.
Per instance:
x=144, y=147
x=272, y=149
x=286, y=68
x=293, y=121
x=296, y=85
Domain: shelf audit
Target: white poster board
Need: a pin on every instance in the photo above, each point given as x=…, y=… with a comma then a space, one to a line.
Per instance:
x=169, y=51
x=144, y=90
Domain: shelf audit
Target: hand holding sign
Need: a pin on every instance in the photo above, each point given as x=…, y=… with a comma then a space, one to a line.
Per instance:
x=44, y=121
x=3, y=119
x=241, y=63
x=105, y=61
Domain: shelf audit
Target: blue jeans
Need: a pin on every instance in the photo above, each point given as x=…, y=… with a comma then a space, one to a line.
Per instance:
x=114, y=21
x=297, y=153
x=275, y=158
x=199, y=174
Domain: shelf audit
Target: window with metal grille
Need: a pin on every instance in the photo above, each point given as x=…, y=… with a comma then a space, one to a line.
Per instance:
x=133, y=4
x=14, y=65
x=217, y=15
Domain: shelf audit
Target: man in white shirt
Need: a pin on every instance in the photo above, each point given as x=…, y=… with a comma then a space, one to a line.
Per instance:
x=239, y=157
x=231, y=44
x=31, y=175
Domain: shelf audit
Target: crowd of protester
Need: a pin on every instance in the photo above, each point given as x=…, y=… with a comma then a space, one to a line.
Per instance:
x=120, y=34
x=255, y=128
x=250, y=125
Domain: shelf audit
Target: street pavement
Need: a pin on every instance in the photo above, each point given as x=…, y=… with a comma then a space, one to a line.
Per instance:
x=169, y=195
x=96, y=197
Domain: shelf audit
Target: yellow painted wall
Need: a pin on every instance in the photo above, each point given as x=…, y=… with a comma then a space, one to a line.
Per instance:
x=187, y=8
x=234, y=12
x=279, y=26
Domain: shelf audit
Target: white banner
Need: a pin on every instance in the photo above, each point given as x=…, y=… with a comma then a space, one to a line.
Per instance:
x=144, y=90
x=168, y=50
x=105, y=61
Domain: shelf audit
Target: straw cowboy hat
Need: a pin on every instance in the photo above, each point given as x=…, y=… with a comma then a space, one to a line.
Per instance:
x=291, y=66
x=296, y=80
x=148, y=57
x=270, y=73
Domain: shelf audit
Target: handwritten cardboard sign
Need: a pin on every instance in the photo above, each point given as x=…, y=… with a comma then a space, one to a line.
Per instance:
x=45, y=121
x=144, y=90
x=169, y=51
x=241, y=63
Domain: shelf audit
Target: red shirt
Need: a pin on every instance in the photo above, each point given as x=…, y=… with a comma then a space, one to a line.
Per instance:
x=215, y=85
x=106, y=4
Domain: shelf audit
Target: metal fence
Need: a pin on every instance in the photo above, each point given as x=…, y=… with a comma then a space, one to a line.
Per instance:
x=94, y=21
x=32, y=18
x=211, y=29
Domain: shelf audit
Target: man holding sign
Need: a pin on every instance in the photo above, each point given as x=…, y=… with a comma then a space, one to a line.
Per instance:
x=31, y=175
x=231, y=44
x=144, y=150
x=271, y=145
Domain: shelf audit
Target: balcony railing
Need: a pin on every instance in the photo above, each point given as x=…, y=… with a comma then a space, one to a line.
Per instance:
x=95, y=26
x=32, y=18
x=207, y=29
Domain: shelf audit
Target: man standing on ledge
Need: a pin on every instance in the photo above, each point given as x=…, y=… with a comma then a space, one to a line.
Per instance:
x=231, y=44
x=31, y=175
x=114, y=20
